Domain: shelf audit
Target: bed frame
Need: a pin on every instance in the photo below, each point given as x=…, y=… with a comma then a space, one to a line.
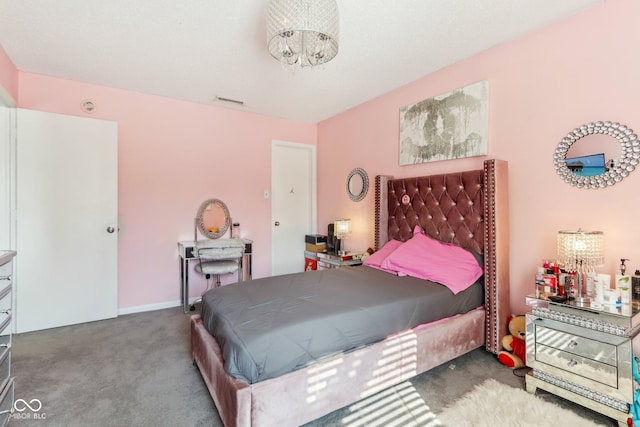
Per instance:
x=468, y=208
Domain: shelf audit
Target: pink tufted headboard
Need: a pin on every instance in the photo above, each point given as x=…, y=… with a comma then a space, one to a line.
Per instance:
x=470, y=209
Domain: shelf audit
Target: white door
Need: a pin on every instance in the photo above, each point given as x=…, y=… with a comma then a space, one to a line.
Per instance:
x=293, y=206
x=67, y=210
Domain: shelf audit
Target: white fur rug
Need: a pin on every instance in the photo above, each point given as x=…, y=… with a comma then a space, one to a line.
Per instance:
x=493, y=404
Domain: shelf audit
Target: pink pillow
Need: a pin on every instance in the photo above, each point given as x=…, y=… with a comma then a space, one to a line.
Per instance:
x=376, y=259
x=430, y=259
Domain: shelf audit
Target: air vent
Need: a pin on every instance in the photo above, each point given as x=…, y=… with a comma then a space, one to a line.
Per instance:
x=234, y=101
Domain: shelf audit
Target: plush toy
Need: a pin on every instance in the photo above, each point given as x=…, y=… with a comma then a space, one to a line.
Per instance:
x=514, y=353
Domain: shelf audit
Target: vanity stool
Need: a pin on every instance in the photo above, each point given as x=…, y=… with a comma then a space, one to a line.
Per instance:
x=220, y=256
x=217, y=257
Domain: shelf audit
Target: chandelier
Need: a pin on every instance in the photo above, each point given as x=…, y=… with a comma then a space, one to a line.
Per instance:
x=303, y=32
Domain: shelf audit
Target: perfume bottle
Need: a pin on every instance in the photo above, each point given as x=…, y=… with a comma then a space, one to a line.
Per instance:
x=235, y=230
x=623, y=283
x=540, y=292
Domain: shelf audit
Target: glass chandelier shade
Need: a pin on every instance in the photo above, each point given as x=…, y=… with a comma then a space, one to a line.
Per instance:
x=581, y=251
x=303, y=32
x=342, y=228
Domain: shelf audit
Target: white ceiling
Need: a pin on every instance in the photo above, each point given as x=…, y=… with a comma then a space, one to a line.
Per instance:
x=196, y=50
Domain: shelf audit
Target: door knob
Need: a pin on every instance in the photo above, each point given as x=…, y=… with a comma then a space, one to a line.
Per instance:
x=277, y=223
x=110, y=229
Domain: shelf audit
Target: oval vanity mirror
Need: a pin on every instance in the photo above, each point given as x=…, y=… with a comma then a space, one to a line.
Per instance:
x=357, y=184
x=213, y=219
x=597, y=155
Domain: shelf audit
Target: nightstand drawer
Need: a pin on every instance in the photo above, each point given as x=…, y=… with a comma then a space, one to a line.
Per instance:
x=577, y=345
x=577, y=365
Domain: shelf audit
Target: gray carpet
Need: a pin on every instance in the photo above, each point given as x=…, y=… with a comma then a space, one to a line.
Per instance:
x=136, y=371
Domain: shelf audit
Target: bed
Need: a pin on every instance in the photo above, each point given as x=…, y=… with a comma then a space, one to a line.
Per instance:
x=469, y=209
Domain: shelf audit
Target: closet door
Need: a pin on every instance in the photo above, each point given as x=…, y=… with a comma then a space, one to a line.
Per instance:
x=66, y=210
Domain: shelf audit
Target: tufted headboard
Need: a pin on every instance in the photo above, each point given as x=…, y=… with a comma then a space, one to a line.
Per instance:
x=470, y=209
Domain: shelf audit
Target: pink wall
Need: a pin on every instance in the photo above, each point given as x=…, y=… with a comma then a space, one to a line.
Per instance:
x=172, y=156
x=8, y=77
x=542, y=86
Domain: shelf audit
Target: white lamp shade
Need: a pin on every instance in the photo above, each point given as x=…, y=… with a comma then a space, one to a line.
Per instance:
x=342, y=228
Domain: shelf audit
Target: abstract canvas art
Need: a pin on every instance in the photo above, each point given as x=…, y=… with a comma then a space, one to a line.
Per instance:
x=450, y=126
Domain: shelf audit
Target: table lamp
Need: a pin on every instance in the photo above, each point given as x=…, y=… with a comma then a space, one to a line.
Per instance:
x=342, y=229
x=581, y=251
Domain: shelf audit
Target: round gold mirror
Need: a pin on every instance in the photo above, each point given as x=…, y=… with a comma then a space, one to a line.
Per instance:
x=600, y=166
x=213, y=219
x=357, y=184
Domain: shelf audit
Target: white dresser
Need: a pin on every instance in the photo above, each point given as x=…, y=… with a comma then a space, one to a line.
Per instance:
x=6, y=298
x=584, y=355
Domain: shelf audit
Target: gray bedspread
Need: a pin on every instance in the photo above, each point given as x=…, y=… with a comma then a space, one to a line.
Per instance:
x=270, y=326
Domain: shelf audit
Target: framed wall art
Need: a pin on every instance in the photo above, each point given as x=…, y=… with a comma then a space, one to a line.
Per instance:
x=449, y=126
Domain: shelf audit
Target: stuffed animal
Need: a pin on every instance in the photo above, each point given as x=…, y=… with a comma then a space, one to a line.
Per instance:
x=514, y=353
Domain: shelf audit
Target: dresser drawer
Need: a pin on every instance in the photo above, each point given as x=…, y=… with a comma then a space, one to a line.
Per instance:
x=5, y=297
x=6, y=274
x=580, y=346
x=5, y=331
x=5, y=367
x=6, y=403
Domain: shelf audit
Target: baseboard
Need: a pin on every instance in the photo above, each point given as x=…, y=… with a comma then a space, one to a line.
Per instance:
x=148, y=307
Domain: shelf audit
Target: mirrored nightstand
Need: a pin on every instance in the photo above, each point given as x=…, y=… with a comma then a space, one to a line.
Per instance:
x=583, y=354
x=325, y=260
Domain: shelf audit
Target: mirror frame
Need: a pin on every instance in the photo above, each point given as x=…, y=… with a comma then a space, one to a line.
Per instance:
x=365, y=184
x=200, y=219
x=629, y=154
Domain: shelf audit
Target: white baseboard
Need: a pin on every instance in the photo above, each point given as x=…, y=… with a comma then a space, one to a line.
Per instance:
x=148, y=307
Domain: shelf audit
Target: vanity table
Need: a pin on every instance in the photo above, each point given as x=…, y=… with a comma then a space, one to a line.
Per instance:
x=185, y=251
x=583, y=354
